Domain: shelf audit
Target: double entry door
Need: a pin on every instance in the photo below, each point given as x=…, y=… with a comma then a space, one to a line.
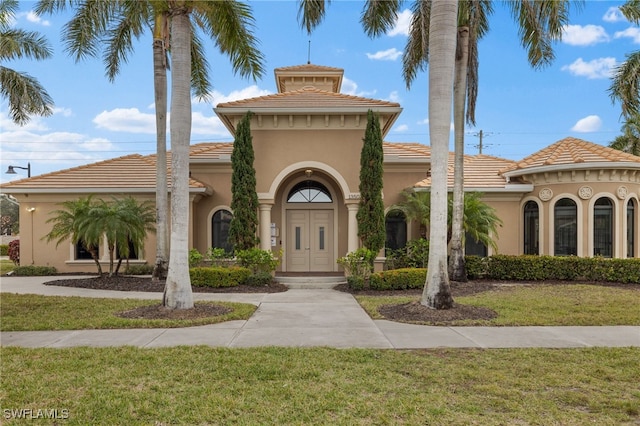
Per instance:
x=310, y=241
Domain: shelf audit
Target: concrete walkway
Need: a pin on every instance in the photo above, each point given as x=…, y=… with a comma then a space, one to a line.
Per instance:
x=303, y=318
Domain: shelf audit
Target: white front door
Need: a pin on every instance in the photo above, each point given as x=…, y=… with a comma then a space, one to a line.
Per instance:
x=309, y=241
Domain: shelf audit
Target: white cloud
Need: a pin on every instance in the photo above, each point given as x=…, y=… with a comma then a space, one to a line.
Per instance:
x=401, y=128
x=597, y=68
x=350, y=87
x=613, y=14
x=126, y=120
x=403, y=22
x=632, y=32
x=591, y=123
x=385, y=55
x=394, y=97
x=246, y=93
x=207, y=125
x=33, y=18
x=578, y=35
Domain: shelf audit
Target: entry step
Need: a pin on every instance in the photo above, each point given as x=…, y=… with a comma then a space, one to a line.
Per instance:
x=311, y=282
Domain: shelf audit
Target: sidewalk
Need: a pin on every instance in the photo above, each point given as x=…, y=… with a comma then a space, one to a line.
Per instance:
x=304, y=318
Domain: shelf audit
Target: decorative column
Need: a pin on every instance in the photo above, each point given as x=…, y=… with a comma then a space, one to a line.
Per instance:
x=352, y=232
x=265, y=226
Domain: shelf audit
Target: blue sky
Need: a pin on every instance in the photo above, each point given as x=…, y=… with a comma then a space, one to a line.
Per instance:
x=519, y=110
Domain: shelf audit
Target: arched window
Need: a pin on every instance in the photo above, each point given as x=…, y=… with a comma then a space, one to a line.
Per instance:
x=566, y=227
x=309, y=191
x=603, y=227
x=396, y=226
x=220, y=230
x=531, y=228
x=631, y=228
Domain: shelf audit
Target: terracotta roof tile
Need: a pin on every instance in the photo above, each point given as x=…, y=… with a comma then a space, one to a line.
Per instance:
x=308, y=98
x=480, y=172
x=571, y=151
x=308, y=67
x=130, y=173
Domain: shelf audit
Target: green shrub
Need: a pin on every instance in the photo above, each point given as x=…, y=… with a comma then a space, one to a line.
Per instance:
x=538, y=268
x=195, y=258
x=139, y=270
x=4, y=249
x=218, y=276
x=355, y=282
x=476, y=267
x=219, y=257
x=398, y=279
x=414, y=255
x=258, y=260
x=34, y=271
x=259, y=279
x=358, y=263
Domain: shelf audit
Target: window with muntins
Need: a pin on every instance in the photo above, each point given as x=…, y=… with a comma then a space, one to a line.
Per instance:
x=396, y=227
x=220, y=230
x=531, y=228
x=631, y=228
x=603, y=228
x=82, y=253
x=309, y=191
x=565, y=228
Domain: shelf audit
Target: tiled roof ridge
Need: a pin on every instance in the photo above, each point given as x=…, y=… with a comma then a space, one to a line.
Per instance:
x=305, y=90
x=308, y=67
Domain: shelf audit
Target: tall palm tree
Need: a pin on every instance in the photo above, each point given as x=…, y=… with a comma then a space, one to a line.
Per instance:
x=629, y=141
x=442, y=46
x=26, y=96
x=625, y=84
x=117, y=23
x=229, y=24
x=541, y=24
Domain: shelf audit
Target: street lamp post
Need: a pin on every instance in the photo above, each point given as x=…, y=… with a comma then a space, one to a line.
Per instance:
x=11, y=171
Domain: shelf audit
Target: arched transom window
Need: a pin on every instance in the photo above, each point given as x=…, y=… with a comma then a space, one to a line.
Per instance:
x=309, y=191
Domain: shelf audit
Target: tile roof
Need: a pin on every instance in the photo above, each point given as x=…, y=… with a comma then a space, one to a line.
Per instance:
x=480, y=173
x=308, y=67
x=570, y=151
x=308, y=100
x=129, y=173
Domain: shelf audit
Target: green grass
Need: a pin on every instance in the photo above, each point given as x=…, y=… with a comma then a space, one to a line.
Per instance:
x=34, y=312
x=557, y=305
x=293, y=386
x=6, y=266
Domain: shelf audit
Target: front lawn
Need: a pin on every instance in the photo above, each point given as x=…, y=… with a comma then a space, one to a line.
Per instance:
x=27, y=312
x=321, y=386
x=540, y=305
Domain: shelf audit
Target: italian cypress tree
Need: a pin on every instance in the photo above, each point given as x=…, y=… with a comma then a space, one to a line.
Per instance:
x=244, y=201
x=371, y=229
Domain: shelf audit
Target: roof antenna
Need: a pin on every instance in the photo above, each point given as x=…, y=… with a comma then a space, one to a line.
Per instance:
x=309, y=53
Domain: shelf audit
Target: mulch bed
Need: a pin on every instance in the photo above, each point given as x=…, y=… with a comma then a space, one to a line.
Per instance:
x=408, y=312
x=135, y=283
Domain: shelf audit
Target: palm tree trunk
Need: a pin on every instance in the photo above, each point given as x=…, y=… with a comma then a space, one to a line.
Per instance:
x=177, y=292
x=457, y=269
x=442, y=45
x=162, y=198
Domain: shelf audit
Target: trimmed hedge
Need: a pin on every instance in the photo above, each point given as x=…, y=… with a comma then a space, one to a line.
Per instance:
x=218, y=276
x=34, y=271
x=538, y=268
x=4, y=249
x=398, y=279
